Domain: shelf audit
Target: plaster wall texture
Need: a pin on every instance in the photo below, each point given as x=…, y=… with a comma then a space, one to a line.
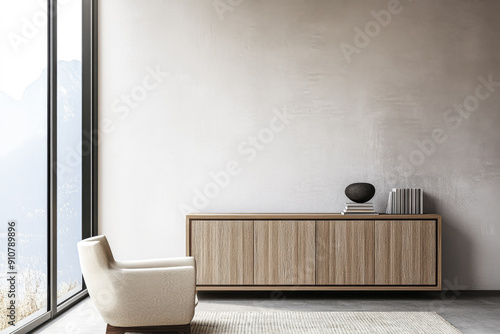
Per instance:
x=276, y=106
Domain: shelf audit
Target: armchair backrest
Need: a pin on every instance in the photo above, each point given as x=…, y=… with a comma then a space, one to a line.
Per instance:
x=96, y=260
x=95, y=254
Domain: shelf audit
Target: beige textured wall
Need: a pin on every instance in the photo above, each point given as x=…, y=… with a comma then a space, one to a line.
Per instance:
x=285, y=102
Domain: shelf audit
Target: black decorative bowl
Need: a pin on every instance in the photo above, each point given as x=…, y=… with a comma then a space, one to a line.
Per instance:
x=360, y=192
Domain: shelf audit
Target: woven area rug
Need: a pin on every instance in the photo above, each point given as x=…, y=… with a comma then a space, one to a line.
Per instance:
x=320, y=322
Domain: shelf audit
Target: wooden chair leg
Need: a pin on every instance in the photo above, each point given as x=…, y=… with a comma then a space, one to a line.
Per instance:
x=115, y=330
x=183, y=329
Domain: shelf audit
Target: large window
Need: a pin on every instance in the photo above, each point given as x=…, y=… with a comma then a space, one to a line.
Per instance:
x=45, y=176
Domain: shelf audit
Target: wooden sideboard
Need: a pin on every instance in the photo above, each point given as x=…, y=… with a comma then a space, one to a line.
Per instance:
x=315, y=251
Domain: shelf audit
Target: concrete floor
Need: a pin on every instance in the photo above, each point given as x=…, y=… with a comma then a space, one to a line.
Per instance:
x=470, y=312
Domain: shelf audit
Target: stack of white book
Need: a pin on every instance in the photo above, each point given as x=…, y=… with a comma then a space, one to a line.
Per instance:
x=406, y=201
x=359, y=209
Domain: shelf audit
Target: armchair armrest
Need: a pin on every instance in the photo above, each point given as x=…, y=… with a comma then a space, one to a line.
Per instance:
x=186, y=261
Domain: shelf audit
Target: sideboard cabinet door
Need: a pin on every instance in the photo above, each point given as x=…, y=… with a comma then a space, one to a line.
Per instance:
x=223, y=251
x=345, y=252
x=405, y=252
x=284, y=252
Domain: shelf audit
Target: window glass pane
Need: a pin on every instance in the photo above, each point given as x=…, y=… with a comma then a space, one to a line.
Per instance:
x=23, y=158
x=69, y=154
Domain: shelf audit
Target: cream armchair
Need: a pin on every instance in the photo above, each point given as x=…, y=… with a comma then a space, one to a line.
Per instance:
x=139, y=296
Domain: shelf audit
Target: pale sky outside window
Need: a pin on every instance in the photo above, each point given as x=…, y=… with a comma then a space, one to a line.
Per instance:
x=23, y=27
x=23, y=24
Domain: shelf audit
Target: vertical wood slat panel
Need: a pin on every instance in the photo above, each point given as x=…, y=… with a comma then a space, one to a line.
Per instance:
x=345, y=252
x=223, y=251
x=405, y=252
x=284, y=252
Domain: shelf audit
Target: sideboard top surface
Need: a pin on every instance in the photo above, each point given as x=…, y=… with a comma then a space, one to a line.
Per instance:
x=313, y=216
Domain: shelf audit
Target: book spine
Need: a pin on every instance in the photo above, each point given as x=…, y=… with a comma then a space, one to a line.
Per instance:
x=421, y=201
x=410, y=199
x=393, y=200
x=395, y=204
x=407, y=201
x=398, y=198
x=412, y=203
x=388, y=209
x=417, y=202
x=415, y=207
x=401, y=201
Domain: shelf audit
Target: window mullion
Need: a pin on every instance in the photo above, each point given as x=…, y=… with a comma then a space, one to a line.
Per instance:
x=52, y=152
